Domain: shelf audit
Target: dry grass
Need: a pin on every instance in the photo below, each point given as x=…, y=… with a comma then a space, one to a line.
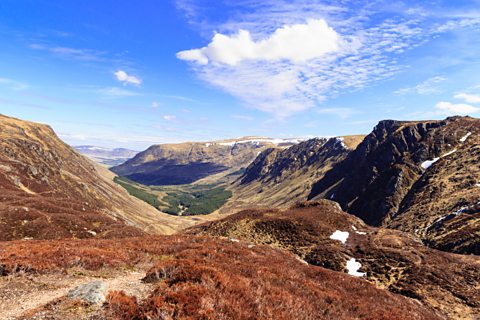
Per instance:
x=206, y=278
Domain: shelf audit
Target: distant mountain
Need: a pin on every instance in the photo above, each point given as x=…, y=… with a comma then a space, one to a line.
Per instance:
x=422, y=177
x=321, y=234
x=106, y=156
x=281, y=177
x=182, y=163
x=48, y=190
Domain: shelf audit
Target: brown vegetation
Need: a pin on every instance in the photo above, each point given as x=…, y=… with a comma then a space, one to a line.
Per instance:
x=391, y=259
x=205, y=278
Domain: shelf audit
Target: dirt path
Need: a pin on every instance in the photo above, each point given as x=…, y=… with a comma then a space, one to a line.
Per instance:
x=19, y=295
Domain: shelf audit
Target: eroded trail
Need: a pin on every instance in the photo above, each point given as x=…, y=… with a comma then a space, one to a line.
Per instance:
x=18, y=295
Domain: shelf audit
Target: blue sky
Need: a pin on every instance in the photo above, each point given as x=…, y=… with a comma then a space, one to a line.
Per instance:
x=134, y=73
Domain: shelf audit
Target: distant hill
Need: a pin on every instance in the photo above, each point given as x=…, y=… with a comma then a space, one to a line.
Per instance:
x=106, y=156
x=183, y=163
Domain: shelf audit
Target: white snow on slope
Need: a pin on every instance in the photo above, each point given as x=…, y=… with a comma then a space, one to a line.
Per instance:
x=353, y=266
x=258, y=141
x=427, y=164
x=340, y=236
x=464, y=138
x=341, y=139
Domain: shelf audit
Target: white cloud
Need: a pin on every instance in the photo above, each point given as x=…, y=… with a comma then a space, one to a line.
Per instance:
x=169, y=117
x=368, y=44
x=125, y=78
x=429, y=86
x=297, y=43
x=156, y=104
x=449, y=108
x=467, y=97
x=117, y=92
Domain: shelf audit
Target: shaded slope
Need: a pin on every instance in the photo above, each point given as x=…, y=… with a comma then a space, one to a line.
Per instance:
x=389, y=173
x=390, y=259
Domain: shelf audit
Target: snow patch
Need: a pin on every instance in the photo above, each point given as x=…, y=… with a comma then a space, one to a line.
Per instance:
x=208, y=145
x=340, y=236
x=448, y=153
x=257, y=142
x=354, y=228
x=465, y=137
x=427, y=164
x=353, y=266
x=342, y=143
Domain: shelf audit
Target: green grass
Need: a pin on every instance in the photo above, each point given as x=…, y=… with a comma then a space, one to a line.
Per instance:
x=198, y=201
x=139, y=193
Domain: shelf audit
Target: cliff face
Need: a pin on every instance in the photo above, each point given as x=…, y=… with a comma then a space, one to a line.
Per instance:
x=48, y=190
x=183, y=163
x=402, y=168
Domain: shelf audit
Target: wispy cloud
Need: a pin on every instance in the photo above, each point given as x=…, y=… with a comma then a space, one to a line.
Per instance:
x=429, y=86
x=156, y=104
x=125, y=78
x=86, y=55
x=242, y=117
x=342, y=113
x=367, y=50
x=468, y=97
x=13, y=84
x=169, y=117
x=117, y=92
x=448, y=108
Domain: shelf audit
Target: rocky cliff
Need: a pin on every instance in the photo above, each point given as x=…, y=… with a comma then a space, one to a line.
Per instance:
x=282, y=177
x=421, y=177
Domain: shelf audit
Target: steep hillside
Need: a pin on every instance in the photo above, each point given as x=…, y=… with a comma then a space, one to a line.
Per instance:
x=186, y=277
x=421, y=177
x=279, y=177
x=323, y=235
x=48, y=190
x=106, y=156
x=170, y=164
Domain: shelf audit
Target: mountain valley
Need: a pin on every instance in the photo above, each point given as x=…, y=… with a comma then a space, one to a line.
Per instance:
x=391, y=216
